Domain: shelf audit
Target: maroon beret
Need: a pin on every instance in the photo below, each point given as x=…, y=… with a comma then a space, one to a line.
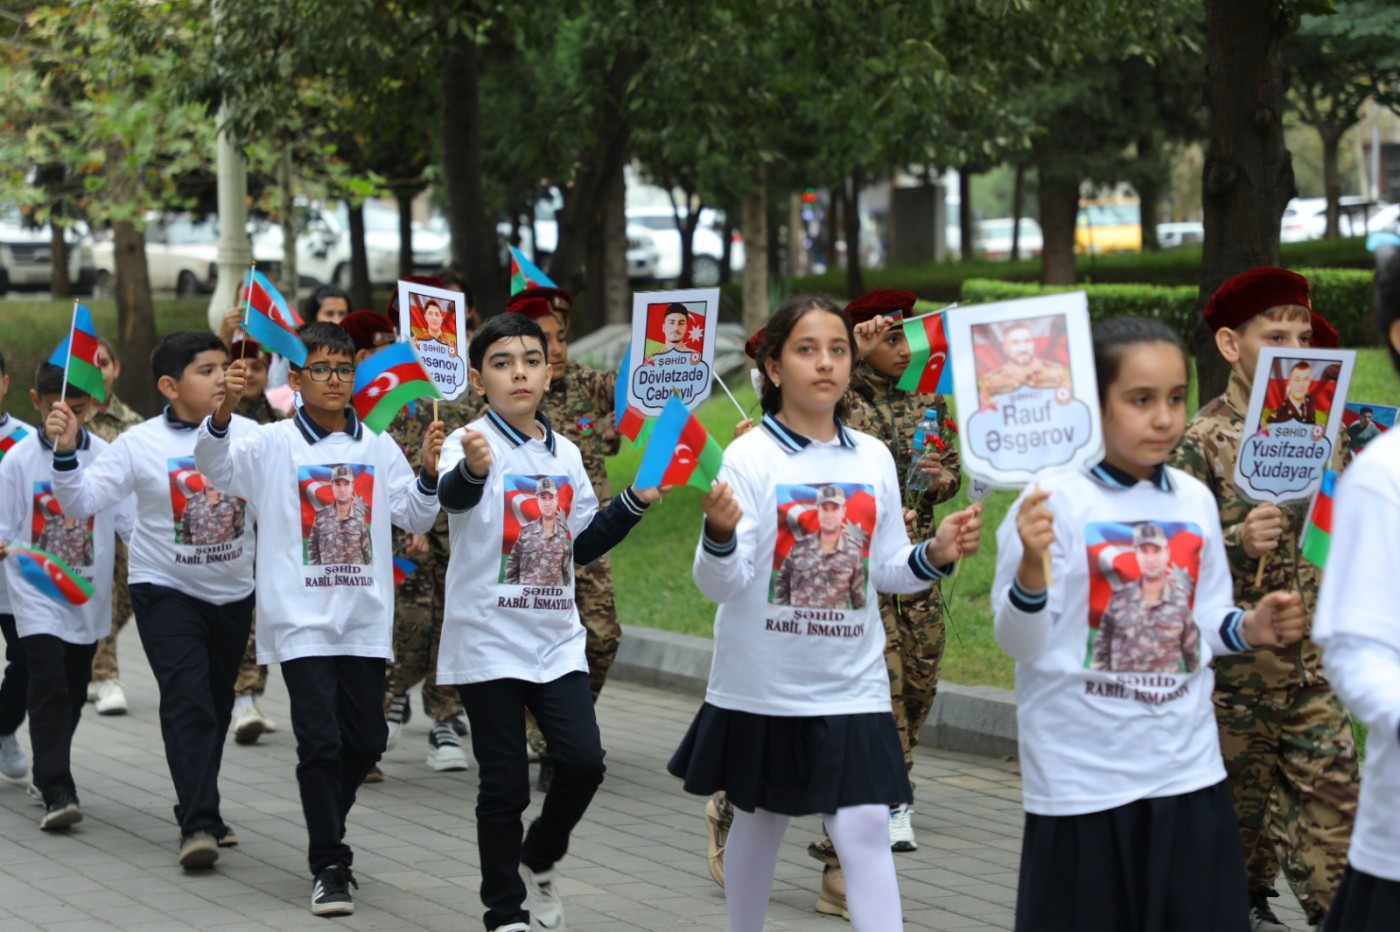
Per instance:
x=534, y=308
x=432, y=281
x=880, y=302
x=1324, y=335
x=246, y=348
x=369, y=330
x=752, y=344
x=557, y=298
x=1249, y=294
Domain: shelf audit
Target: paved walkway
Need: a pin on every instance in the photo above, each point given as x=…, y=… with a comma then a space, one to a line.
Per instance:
x=638, y=859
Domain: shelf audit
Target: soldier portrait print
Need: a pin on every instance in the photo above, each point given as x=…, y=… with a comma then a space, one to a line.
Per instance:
x=822, y=555
x=69, y=539
x=1141, y=594
x=673, y=336
x=336, y=514
x=435, y=321
x=201, y=514
x=1297, y=403
x=1365, y=422
x=1014, y=354
x=536, y=546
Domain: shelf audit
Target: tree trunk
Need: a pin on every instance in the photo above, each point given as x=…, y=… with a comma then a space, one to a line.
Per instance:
x=136, y=316
x=1248, y=175
x=59, y=285
x=404, y=196
x=1331, y=179
x=473, y=229
x=833, y=225
x=754, y=219
x=1149, y=190
x=1018, y=207
x=287, y=206
x=726, y=264
x=617, y=289
x=359, y=258
x=967, y=227
x=855, y=281
x=1059, y=209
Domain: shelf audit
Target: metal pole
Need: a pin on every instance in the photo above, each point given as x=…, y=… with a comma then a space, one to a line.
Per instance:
x=235, y=253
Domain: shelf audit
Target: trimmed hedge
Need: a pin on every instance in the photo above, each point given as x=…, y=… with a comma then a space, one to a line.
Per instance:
x=1343, y=296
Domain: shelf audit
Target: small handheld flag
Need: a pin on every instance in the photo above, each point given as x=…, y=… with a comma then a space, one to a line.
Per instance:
x=680, y=451
x=270, y=321
x=7, y=443
x=387, y=381
x=78, y=356
x=403, y=568
x=50, y=575
x=1317, y=532
x=631, y=423
x=928, y=364
x=524, y=274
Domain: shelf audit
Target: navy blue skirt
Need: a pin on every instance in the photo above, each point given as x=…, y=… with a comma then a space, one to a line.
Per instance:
x=1171, y=864
x=1364, y=903
x=790, y=765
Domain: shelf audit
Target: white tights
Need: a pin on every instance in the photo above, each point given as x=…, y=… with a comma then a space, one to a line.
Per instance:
x=861, y=835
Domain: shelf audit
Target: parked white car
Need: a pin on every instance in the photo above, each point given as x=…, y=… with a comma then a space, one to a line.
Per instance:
x=643, y=256
x=181, y=254
x=1180, y=233
x=431, y=251
x=707, y=244
x=26, y=255
x=1305, y=218
x=994, y=238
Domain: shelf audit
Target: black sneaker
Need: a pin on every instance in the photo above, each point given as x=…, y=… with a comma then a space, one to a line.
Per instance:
x=375, y=775
x=1261, y=914
x=63, y=812
x=330, y=894
x=458, y=726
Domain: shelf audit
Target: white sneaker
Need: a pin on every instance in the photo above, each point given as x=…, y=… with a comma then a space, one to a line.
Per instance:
x=902, y=828
x=513, y=927
x=13, y=764
x=400, y=710
x=445, y=749
x=92, y=690
x=542, y=900
x=111, y=700
x=248, y=725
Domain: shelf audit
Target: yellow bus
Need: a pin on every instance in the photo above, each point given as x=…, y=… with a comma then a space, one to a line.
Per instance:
x=1106, y=226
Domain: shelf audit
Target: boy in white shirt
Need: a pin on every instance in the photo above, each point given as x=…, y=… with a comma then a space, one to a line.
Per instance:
x=13, y=762
x=193, y=597
x=522, y=513
x=325, y=490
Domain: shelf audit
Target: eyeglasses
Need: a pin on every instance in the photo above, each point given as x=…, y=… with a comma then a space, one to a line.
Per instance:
x=323, y=373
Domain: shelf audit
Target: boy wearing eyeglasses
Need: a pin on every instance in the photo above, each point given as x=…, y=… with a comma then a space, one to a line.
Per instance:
x=325, y=491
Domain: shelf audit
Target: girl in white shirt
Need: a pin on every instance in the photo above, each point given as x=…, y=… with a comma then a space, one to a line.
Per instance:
x=1359, y=630
x=802, y=529
x=1129, y=824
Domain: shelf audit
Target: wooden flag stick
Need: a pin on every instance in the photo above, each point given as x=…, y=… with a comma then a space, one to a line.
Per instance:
x=742, y=412
x=247, y=306
x=1045, y=558
x=68, y=361
x=435, y=417
x=1259, y=573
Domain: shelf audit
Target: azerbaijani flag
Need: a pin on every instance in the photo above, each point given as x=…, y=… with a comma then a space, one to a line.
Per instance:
x=270, y=321
x=524, y=274
x=403, y=568
x=50, y=575
x=928, y=346
x=1317, y=532
x=7, y=443
x=77, y=354
x=630, y=421
x=680, y=451
x=387, y=381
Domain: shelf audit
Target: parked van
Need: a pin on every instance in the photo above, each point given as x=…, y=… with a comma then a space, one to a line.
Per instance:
x=1108, y=226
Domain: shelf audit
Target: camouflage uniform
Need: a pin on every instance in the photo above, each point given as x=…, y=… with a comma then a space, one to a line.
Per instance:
x=216, y=522
x=71, y=543
x=914, y=632
x=812, y=578
x=1137, y=637
x=1286, y=739
x=108, y=422
x=335, y=539
x=541, y=557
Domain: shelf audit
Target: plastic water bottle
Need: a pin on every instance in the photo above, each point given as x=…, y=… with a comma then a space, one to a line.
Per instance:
x=924, y=434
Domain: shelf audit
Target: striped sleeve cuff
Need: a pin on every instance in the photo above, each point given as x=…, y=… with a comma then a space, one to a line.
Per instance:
x=215, y=431
x=65, y=461
x=922, y=569
x=719, y=550
x=1232, y=631
x=634, y=505
x=1026, y=600
x=427, y=484
x=468, y=475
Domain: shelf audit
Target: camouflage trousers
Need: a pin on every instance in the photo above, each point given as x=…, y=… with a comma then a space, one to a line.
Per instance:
x=914, y=641
x=252, y=676
x=104, y=662
x=597, y=609
x=418, y=610
x=1292, y=765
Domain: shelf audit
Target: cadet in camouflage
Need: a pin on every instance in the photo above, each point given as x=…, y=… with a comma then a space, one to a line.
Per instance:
x=825, y=569
x=68, y=539
x=1286, y=739
x=211, y=517
x=1147, y=626
x=340, y=533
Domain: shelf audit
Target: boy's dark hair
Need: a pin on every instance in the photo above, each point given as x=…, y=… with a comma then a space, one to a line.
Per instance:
x=321, y=335
x=780, y=327
x=312, y=307
x=1116, y=335
x=1387, y=303
x=48, y=380
x=177, y=350
x=502, y=327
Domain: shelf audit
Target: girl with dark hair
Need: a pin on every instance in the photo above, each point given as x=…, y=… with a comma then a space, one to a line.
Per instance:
x=802, y=529
x=1360, y=638
x=1129, y=822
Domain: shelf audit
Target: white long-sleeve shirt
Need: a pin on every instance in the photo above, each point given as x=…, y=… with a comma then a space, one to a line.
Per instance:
x=1359, y=630
x=154, y=462
x=325, y=572
x=1133, y=719
x=30, y=514
x=12, y=431
x=806, y=639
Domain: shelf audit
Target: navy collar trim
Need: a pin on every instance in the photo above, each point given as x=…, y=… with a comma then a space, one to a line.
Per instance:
x=4, y=419
x=515, y=437
x=1115, y=478
x=174, y=423
x=314, y=432
x=793, y=442
x=84, y=439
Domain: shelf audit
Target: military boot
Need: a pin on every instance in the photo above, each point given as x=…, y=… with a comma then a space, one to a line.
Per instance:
x=832, y=900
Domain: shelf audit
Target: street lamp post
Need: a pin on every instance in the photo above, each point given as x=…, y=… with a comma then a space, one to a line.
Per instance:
x=235, y=252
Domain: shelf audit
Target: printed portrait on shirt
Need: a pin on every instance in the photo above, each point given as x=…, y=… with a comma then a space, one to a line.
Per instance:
x=201, y=513
x=336, y=514
x=1142, y=587
x=1014, y=354
x=536, y=548
x=69, y=539
x=822, y=555
x=1300, y=392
